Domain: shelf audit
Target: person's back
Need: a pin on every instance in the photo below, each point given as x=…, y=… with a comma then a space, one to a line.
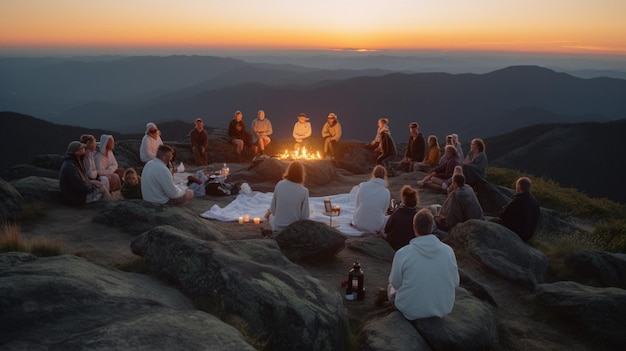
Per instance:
x=521, y=215
x=460, y=205
x=424, y=274
x=470, y=206
x=399, y=227
x=372, y=201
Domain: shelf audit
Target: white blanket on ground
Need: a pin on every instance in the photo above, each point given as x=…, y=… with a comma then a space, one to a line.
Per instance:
x=257, y=203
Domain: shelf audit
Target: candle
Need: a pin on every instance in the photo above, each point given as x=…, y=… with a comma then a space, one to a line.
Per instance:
x=257, y=220
x=246, y=218
x=240, y=219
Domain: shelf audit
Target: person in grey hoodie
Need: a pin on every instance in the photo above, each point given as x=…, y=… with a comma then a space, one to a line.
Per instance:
x=424, y=273
x=460, y=205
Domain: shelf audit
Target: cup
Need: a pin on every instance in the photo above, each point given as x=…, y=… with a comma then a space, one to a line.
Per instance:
x=337, y=210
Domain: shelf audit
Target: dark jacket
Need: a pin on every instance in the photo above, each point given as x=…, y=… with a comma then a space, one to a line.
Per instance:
x=399, y=227
x=387, y=145
x=237, y=130
x=446, y=170
x=415, y=148
x=73, y=181
x=521, y=215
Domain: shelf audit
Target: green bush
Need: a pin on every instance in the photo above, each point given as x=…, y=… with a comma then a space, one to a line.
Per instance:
x=611, y=235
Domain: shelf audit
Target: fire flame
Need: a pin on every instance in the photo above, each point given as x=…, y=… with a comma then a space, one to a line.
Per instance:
x=300, y=154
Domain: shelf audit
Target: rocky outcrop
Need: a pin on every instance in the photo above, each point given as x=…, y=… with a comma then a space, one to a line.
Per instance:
x=68, y=303
x=372, y=246
x=599, y=313
x=470, y=326
x=138, y=216
x=39, y=189
x=311, y=241
x=499, y=250
x=275, y=300
x=11, y=202
x=595, y=268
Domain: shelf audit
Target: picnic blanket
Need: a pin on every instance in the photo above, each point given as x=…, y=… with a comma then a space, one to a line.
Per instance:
x=256, y=204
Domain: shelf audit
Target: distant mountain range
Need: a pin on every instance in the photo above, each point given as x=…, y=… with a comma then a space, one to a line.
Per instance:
x=581, y=155
x=122, y=94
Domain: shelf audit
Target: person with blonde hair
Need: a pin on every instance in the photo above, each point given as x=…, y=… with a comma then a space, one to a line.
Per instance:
x=150, y=143
x=431, y=160
x=372, y=200
x=331, y=132
x=89, y=161
x=290, y=201
x=399, y=227
x=106, y=164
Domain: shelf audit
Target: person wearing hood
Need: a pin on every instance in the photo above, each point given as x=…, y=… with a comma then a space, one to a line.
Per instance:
x=331, y=132
x=460, y=206
x=106, y=164
x=89, y=161
x=372, y=200
x=150, y=143
x=424, y=273
x=76, y=187
x=301, y=131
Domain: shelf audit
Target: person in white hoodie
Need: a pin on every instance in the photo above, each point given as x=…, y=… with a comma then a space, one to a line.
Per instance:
x=106, y=164
x=301, y=131
x=372, y=201
x=424, y=273
x=150, y=143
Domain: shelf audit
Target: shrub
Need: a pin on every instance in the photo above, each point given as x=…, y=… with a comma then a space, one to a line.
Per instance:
x=611, y=235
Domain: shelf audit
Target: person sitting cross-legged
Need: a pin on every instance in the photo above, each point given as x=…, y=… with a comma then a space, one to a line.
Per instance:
x=157, y=182
x=424, y=273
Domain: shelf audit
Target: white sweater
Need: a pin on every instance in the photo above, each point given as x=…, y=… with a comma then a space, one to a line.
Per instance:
x=157, y=183
x=290, y=203
x=372, y=201
x=425, y=275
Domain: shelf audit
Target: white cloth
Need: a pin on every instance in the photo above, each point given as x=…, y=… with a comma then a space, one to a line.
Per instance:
x=92, y=172
x=372, y=201
x=256, y=203
x=106, y=164
x=149, y=147
x=157, y=183
x=290, y=203
x=424, y=274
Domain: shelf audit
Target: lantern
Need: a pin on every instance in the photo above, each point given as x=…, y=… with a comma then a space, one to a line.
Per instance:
x=355, y=290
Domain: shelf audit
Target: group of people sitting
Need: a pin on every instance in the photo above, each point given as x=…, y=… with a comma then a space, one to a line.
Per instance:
x=261, y=129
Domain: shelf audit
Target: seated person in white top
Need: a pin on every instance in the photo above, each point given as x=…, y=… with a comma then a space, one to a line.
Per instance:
x=372, y=201
x=290, y=202
x=424, y=273
x=157, y=183
x=150, y=143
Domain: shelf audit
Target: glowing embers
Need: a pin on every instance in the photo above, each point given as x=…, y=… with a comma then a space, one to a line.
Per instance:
x=300, y=154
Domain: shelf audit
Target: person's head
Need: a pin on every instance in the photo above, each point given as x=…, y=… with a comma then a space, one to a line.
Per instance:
x=478, y=144
x=523, y=185
x=457, y=170
x=88, y=140
x=302, y=118
x=379, y=172
x=450, y=150
x=423, y=222
x=409, y=196
x=199, y=124
x=332, y=118
x=433, y=141
x=458, y=180
x=106, y=142
x=383, y=122
x=165, y=153
x=238, y=116
x=260, y=115
x=295, y=172
x=152, y=130
x=455, y=139
x=76, y=149
x=131, y=177
x=449, y=140
x=414, y=128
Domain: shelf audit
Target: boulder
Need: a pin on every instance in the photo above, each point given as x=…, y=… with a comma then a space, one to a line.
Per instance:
x=48, y=161
x=481, y=291
x=68, y=303
x=470, y=326
x=599, y=313
x=595, y=268
x=372, y=246
x=26, y=170
x=390, y=333
x=499, y=250
x=492, y=197
x=251, y=281
x=11, y=201
x=138, y=216
x=310, y=241
x=39, y=189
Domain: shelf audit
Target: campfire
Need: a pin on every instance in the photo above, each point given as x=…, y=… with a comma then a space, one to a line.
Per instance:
x=300, y=154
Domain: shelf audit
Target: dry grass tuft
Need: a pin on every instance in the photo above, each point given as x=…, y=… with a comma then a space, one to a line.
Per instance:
x=12, y=241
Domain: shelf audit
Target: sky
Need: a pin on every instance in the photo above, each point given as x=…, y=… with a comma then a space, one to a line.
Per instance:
x=118, y=26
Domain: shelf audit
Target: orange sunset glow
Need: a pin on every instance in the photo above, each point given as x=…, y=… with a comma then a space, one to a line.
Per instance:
x=559, y=26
